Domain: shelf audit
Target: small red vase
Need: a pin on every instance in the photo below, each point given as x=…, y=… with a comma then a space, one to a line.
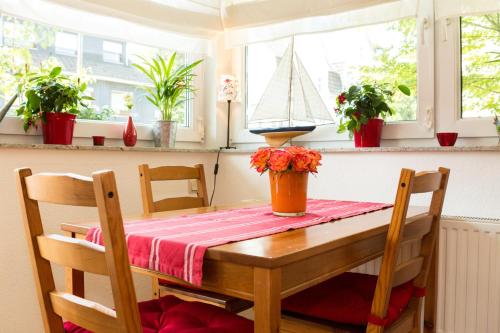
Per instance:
x=58, y=128
x=369, y=134
x=130, y=133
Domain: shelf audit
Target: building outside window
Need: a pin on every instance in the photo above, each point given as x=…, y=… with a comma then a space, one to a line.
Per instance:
x=106, y=64
x=112, y=52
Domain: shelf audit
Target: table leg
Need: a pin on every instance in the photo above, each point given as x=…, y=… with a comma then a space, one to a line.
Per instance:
x=74, y=279
x=267, y=300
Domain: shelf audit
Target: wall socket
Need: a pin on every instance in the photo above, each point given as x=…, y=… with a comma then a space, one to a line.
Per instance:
x=193, y=186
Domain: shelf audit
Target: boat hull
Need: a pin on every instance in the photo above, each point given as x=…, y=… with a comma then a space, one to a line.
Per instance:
x=276, y=137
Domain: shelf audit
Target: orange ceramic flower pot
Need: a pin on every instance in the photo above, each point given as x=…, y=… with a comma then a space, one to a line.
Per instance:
x=288, y=193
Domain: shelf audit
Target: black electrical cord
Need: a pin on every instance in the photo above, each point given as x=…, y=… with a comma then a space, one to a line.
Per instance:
x=216, y=171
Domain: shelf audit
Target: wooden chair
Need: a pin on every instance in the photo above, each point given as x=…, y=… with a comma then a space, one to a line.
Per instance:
x=167, y=173
x=112, y=260
x=403, y=283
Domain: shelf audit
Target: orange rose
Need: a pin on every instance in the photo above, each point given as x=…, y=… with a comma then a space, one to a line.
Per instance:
x=294, y=150
x=260, y=158
x=301, y=162
x=279, y=160
x=315, y=158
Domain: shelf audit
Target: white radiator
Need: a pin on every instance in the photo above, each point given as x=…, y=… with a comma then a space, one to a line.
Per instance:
x=469, y=275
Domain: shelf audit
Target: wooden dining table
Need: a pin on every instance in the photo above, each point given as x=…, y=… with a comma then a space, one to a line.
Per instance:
x=265, y=270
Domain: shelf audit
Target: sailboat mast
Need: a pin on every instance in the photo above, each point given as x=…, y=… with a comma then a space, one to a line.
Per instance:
x=290, y=85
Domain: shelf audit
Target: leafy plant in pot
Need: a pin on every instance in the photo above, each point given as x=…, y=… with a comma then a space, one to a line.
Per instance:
x=363, y=109
x=54, y=100
x=171, y=87
x=288, y=174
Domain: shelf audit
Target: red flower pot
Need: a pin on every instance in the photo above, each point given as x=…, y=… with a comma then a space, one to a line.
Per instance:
x=58, y=128
x=447, y=139
x=369, y=134
x=288, y=193
x=130, y=133
x=98, y=140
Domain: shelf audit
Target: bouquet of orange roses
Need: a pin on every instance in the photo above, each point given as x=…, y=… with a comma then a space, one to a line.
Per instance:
x=293, y=158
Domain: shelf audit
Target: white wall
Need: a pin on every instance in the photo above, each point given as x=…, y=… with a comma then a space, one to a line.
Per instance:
x=473, y=191
x=473, y=188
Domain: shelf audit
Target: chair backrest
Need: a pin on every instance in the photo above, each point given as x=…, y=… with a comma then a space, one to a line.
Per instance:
x=112, y=260
x=424, y=227
x=163, y=173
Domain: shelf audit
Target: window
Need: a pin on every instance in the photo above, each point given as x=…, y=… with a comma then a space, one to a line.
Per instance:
x=118, y=103
x=106, y=64
x=395, y=52
x=480, y=65
x=384, y=53
x=66, y=43
x=112, y=52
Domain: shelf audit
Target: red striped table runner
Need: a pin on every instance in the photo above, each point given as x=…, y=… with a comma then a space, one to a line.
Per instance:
x=176, y=245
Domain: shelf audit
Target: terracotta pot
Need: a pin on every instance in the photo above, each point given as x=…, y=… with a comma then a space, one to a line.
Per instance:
x=130, y=133
x=369, y=134
x=289, y=193
x=58, y=128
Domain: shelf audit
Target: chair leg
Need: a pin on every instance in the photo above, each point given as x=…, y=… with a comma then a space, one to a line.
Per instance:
x=155, y=285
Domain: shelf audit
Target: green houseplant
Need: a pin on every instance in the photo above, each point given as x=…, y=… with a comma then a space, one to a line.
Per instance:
x=54, y=100
x=362, y=110
x=171, y=87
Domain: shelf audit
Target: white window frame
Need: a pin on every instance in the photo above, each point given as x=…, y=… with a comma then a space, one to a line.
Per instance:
x=12, y=125
x=423, y=127
x=449, y=86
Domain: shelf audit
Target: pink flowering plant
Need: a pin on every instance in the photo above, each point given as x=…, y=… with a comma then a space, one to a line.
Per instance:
x=293, y=158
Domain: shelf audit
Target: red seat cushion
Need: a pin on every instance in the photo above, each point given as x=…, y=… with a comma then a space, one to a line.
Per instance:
x=172, y=315
x=347, y=299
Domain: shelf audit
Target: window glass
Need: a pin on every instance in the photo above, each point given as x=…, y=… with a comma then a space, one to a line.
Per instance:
x=480, y=50
x=66, y=43
x=383, y=53
x=105, y=64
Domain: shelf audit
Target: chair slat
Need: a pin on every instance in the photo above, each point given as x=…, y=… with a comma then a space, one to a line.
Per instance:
x=63, y=189
x=417, y=227
x=426, y=182
x=173, y=173
x=407, y=271
x=82, y=312
x=178, y=203
x=75, y=253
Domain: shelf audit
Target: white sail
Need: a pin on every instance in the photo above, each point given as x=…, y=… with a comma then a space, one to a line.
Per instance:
x=314, y=102
x=291, y=96
x=273, y=105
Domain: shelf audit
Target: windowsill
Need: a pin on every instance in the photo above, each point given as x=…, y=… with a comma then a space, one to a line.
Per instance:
x=401, y=149
x=104, y=148
x=495, y=148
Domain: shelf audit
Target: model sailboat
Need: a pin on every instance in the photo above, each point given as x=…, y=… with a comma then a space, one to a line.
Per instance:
x=291, y=103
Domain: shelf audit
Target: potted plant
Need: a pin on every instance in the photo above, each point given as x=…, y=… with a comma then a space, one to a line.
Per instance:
x=54, y=100
x=288, y=174
x=361, y=107
x=171, y=85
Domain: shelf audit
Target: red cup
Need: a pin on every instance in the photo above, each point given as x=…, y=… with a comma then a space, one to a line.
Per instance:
x=447, y=139
x=98, y=140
